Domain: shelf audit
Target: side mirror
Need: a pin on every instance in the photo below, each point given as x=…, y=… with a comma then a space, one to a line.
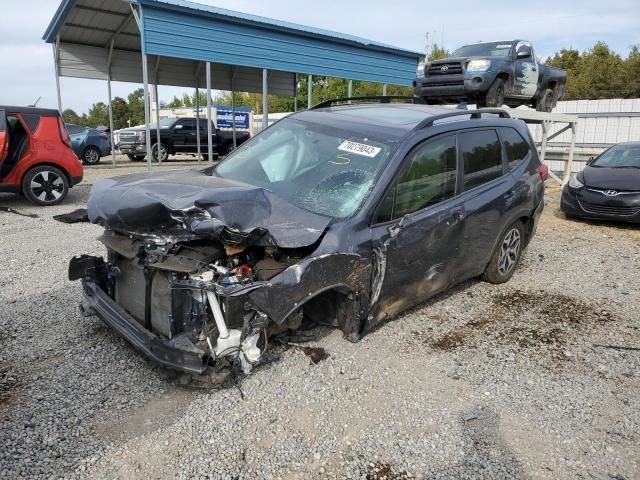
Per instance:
x=590, y=161
x=524, y=52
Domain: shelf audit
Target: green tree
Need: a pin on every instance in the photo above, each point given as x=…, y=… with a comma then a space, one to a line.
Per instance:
x=69, y=116
x=120, y=109
x=175, y=103
x=98, y=114
x=438, y=53
x=598, y=72
x=136, y=106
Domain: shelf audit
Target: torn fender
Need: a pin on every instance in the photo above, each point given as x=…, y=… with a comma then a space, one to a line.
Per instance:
x=289, y=290
x=204, y=205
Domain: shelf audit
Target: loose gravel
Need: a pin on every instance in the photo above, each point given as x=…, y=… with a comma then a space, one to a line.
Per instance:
x=522, y=380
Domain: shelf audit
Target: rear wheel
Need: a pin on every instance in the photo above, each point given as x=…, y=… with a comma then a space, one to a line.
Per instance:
x=135, y=158
x=90, y=156
x=45, y=185
x=507, y=255
x=547, y=101
x=229, y=148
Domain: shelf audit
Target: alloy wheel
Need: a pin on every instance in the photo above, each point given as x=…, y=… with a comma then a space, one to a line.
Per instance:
x=162, y=155
x=47, y=186
x=91, y=156
x=509, y=251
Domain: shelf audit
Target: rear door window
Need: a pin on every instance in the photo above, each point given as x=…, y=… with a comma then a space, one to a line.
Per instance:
x=515, y=146
x=429, y=177
x=188, y=124
x=481, y=157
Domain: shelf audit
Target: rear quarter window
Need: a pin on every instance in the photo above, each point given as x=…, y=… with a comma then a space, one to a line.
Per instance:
x=481, y=156
x=32, y=120
x=516, y=147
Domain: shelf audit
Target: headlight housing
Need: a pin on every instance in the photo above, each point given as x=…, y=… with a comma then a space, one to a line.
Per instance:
x=476, y=66
x=576, y=180
x=420, y=69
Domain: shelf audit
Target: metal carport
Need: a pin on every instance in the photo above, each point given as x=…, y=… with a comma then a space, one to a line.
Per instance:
x=168, y=41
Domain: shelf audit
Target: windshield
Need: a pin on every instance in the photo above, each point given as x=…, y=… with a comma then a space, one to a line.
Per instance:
x=164, y=123
x=619, y=156
x=494, y=49
x=324, y=170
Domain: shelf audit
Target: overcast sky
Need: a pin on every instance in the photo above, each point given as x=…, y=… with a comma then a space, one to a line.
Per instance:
x=26, y=64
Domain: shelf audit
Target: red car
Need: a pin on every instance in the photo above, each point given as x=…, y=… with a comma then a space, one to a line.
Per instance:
x=36, y=158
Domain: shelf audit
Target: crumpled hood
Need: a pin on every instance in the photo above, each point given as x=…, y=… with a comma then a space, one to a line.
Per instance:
x=624, y=179
x=203, y=205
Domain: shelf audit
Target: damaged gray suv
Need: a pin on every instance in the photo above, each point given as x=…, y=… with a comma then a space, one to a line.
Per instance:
x=342, y=215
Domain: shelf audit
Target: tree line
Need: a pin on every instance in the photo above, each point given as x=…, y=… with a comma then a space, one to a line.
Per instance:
x=595, y=73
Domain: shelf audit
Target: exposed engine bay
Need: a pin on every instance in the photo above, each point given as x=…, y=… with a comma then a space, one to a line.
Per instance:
x=187, y=293
x=200, y=268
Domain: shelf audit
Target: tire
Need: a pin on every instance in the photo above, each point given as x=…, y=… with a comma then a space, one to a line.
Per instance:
x=45, y=185
x=228, y=149
x=135, y=158
x=90, y=156
x=547, y=101
x=164, y=152
x=495, y=95
x=507, y=255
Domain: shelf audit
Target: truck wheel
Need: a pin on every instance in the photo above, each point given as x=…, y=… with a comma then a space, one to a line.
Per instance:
x=45, y=185
x=164, y=153
x=135, y=158
x=495, y=94
x=547, y=101
x=229, y=148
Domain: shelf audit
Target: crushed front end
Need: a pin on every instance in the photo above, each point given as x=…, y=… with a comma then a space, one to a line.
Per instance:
x=183, y=304
x=199, y=269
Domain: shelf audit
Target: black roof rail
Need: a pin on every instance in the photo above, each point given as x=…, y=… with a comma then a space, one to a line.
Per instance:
x=474, y=114
x=369, y=99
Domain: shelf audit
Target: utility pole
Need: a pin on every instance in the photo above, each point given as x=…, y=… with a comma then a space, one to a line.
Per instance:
x=426, y=46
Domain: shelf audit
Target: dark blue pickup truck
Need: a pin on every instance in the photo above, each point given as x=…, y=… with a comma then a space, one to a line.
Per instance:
x=491, y=75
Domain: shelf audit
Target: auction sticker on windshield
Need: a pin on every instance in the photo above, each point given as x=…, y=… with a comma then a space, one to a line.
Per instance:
x=359, y=148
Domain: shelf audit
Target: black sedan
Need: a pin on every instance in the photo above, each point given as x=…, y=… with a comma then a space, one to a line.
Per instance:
x=608, y=188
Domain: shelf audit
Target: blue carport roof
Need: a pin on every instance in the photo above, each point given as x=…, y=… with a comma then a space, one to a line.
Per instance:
x=280, y=25
x=187, y=30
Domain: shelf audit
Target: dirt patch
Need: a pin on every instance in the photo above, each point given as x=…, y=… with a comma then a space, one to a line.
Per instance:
x=529, y=319
x=384, y=471
x=449, y=341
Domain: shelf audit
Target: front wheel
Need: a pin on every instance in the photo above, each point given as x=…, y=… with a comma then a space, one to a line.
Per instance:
x=228, y=149
x=45, y=185
x=507, y=255
x=91, y=156
x=546, y=102
x=159, y=153
x=495, y=95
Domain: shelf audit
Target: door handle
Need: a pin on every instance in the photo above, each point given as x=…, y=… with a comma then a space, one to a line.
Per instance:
x=394, y=230
x=455, y=217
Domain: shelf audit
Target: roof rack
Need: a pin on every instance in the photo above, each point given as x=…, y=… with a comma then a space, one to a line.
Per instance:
x=369, y=99
x=474, y=114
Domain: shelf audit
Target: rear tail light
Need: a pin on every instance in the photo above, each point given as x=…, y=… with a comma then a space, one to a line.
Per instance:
x=104, y=136
x=543, y=170
x=64, y=134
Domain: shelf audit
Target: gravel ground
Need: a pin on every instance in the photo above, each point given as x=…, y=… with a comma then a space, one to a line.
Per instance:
x=484, y=381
